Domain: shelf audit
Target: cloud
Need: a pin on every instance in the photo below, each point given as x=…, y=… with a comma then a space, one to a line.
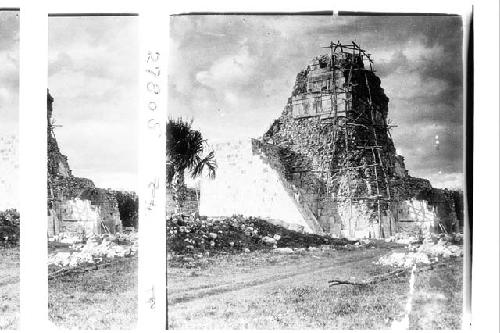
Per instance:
x=446, y=180
x=61, y=61
x=9, y=32
x=410, y=85
x=228, y=71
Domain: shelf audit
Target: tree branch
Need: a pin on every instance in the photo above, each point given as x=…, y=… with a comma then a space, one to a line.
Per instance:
x=372, y=280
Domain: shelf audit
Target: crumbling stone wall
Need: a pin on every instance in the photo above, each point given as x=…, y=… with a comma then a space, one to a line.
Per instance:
x=78, y=217
x=74, y=204
x=107, y=205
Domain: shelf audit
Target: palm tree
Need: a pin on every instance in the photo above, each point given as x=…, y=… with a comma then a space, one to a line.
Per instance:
x=185, y=148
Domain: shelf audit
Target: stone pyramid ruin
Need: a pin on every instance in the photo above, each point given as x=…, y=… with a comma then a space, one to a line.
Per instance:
x=328, y=164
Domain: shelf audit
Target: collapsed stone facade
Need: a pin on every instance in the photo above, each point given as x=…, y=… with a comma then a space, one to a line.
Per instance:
x=336, y=159
x=75, y=205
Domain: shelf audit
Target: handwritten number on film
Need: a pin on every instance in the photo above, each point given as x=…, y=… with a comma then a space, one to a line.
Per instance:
x=153, y=123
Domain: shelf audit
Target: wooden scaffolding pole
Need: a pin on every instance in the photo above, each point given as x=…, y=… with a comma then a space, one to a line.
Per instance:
x=372, y=116
x=380, y=162
x=351, y=51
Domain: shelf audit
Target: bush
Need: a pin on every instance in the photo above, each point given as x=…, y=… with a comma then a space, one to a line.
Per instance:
x=9, y=227
x=128, y=205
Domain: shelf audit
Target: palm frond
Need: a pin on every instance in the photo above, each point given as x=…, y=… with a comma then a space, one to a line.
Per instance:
x=185, y=147
x=207, y=162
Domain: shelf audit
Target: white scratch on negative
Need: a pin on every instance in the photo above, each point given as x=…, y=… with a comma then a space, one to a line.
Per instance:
x=404, y=324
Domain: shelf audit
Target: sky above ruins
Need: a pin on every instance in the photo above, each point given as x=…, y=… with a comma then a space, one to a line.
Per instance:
x=93, y=77
x=9, y=75
x=9, y=109
x=233, y=75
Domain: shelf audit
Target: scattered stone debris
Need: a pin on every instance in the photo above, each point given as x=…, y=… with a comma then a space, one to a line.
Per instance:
x=283, y=250
x=429, y=250
x=190, y=236
x=412, y=239
x=401, y=259
x=94, y=250
x=269, y=240
x=445, y=250
x=67, y=238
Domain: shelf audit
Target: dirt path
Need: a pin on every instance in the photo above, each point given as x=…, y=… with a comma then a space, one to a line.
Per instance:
x=256, y=291
x=267, y=276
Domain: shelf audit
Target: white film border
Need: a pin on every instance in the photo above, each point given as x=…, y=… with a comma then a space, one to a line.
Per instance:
x=152, y=110
x=33, y=172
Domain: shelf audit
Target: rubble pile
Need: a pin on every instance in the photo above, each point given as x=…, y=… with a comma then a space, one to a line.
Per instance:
x=445, y=239
x=95, y=249
x=401, y=259
x=444, y=250
x=428, y=237
x=68, y=238
x=429, y=250
x=205, y=236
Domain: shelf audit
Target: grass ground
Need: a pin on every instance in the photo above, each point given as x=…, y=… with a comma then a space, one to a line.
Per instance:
x=265, y=290
x=100, y=299
x=9, y=288
x=438, y=298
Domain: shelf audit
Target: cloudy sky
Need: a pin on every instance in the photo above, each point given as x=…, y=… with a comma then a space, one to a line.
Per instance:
x=233, y=75
x=9, y=74
x=9, y=109
x=93, y=77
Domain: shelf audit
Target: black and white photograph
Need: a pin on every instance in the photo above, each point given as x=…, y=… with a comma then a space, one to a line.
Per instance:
x=9, y=170
x=316, y=172
x=92, y=156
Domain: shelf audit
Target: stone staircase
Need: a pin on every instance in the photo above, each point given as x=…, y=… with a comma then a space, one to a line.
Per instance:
x=295, y=193
x=249, y=184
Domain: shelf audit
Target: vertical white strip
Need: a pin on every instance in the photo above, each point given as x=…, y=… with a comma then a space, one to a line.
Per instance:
x=33, y=167
x=466, y=267
x=152, y=258
x=485, y=259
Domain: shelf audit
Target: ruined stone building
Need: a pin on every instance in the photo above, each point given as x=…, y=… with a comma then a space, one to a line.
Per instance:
x=75, y=205
x=328, y=163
